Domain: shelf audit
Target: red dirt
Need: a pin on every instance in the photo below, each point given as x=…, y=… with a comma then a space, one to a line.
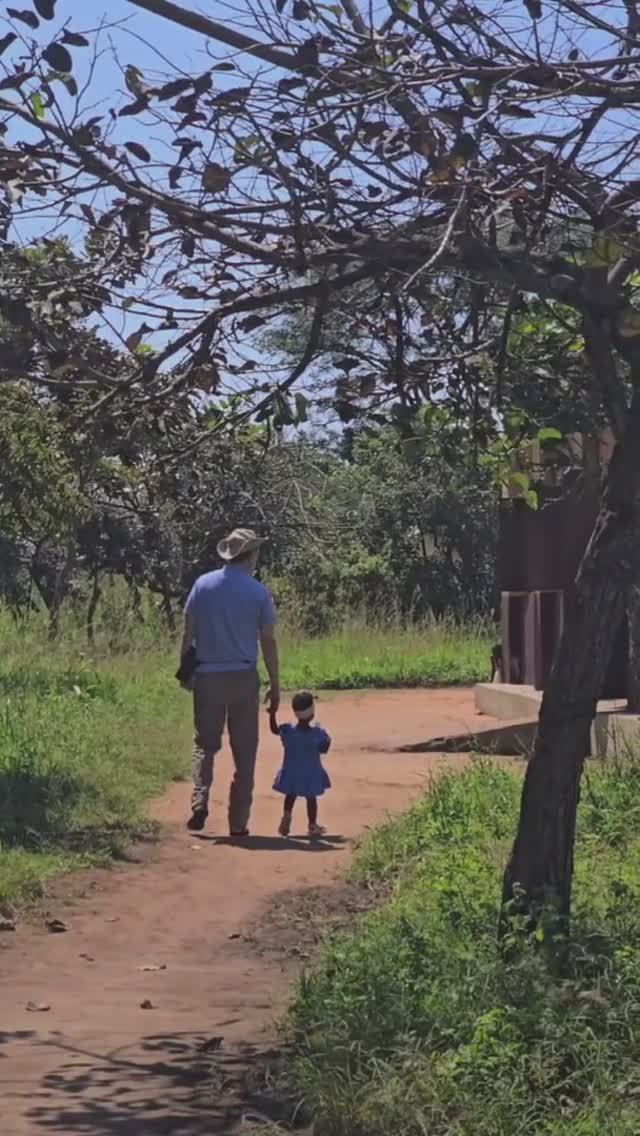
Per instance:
x=96, y=1063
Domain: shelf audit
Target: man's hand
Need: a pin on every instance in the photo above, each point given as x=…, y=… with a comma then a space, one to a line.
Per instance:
x=273, y=700
x=270, y=656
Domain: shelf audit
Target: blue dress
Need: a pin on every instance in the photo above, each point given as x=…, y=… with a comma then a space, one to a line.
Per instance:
x=302, y=773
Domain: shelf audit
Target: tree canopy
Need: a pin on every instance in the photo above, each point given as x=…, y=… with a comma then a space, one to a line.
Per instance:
x=436, y=152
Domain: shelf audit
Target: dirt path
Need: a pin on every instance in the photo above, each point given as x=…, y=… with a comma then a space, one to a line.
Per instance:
x=96, y=1063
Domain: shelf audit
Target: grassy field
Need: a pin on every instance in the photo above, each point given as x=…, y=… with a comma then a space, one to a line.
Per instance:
x=82, y=746
x=356, y=656
x=414, y=1025
x=85, y=740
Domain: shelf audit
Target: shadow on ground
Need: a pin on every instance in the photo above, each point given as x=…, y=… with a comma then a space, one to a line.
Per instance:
x=327, y=843
x=182, y=1085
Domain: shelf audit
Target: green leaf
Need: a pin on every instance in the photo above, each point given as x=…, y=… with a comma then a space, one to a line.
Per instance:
x=37, y=105
x=244, y=146
x=604, y=252
x=549, y=434
x=520, y=481
x=514, y=423
x=134, y=80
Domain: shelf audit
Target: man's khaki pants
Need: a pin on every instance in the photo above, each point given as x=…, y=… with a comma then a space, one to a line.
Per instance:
x=231, y=698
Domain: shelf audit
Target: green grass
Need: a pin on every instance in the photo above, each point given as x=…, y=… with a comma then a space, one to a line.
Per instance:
x=87, y=738
x=413, y=1025
x=83, y=745
x=356, y=656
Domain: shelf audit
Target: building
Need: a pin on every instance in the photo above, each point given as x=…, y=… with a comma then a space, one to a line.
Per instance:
x=539, y=554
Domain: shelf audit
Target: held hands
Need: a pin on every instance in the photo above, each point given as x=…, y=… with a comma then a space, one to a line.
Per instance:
x=273, y=702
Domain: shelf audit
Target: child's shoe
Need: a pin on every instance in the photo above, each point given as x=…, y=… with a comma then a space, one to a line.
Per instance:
x=316, y=831
x=285, y=825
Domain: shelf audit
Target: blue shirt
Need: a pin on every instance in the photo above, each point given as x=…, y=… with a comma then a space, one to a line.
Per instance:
x=229, y=610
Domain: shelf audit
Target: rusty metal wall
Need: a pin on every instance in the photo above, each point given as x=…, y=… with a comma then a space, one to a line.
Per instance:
x=539, y=554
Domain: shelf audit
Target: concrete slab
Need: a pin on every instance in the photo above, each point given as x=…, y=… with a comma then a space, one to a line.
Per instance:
x=507, y=701
x=613, y=733
x=512, y=740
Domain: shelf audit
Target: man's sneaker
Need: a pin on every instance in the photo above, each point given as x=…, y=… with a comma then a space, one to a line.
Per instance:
x=316, y=831
x=285, y=825
x=197, y=820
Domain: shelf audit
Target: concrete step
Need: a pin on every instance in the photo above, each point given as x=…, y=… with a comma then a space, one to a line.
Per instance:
x=613, y=734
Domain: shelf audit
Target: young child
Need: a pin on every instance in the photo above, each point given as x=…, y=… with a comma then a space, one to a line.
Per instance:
x=302, y=773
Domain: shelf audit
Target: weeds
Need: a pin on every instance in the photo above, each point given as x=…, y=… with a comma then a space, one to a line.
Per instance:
x=414, y=1025
x=356, y=655
x=82, y=746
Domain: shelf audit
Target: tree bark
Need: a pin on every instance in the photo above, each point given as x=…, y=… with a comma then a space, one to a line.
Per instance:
x=61, y=586
x=136, y=602
x=540, y=870
x=167, y=603
x=633, y=674
x=96, y=592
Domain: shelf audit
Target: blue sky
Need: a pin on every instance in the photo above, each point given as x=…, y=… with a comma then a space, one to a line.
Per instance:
x=160, y=49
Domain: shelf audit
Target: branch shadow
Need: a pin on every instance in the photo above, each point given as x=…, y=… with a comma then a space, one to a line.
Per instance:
x=165, y=1085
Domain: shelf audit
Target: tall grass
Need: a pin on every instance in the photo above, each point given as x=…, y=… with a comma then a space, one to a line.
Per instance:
x=359, y=654
x=415, y=1025
x=83, y=743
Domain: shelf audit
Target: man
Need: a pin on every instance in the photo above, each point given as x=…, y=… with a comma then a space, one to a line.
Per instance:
x=227, y=614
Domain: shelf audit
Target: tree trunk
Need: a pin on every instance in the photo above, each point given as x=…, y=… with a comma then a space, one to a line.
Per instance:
x=136, y=602
x=63, y=576
x=633, y=673
x=96, y=592
x=167, y=603
x=539, y=872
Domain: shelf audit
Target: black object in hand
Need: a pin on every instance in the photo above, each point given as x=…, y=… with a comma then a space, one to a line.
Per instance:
x=187, y=668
